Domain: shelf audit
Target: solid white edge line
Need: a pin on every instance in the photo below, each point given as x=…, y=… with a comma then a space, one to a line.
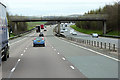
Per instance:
x=13, y=69
x=72, y=67
x=98, y=53
x=92, y=51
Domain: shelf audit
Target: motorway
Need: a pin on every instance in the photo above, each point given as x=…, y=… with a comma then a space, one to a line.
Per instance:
x=58, y=59
x=89, y=37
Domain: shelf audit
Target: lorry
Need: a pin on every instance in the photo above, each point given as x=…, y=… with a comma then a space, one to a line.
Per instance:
x=4, y=34
x=37, y=28
x=42, y=26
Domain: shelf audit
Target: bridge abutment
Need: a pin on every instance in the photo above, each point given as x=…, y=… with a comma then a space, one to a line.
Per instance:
x=104, y=27
x=15, y=28
x=58, y=27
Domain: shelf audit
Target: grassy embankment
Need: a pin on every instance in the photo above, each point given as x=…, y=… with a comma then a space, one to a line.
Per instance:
x=93, y=31
x=32, y=25
x=12, y=35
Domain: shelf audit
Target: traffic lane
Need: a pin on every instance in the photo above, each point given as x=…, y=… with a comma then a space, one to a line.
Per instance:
x=13, y=41
x=19, y=45
x=44, y=62
x=86, y=61
x=79, y=33
x=89, y=37
x=15, y=53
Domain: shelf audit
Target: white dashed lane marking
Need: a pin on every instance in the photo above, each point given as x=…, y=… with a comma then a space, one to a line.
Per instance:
x=13, y=70
x=90, y=50
x=63, y=58
x=72, y=67
x=18, y=60
x=24, y=50
x=21, y=54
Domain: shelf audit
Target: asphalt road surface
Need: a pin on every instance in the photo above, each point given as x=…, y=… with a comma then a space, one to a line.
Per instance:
x=58, y=59
x=89, y=37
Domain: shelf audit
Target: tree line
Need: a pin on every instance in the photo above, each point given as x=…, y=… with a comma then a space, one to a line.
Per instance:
x=112, y=19
x=21, y=26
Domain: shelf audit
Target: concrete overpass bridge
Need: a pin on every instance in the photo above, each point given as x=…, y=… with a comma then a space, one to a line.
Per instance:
x=97, y=17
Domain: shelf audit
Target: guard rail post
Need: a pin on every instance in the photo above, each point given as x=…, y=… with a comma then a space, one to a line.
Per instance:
x=92, y=43
x=113, y=47
x=89, y=42
x=109, y=46
x=101, y=45
x=97, y=44
x=105, y=45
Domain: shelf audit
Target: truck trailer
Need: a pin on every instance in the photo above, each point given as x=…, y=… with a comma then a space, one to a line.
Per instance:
x=4, y=34
x=42, y=26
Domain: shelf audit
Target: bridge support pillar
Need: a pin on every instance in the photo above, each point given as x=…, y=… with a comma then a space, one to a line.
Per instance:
x=58, y=27
x=104, y=29
x=15, y=27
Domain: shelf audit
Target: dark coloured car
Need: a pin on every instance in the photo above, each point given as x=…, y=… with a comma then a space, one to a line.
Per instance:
x=41, y=34
x=38, y=28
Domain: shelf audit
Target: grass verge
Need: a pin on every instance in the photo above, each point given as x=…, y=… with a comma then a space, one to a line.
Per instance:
x=12, y=35
x=86, y=31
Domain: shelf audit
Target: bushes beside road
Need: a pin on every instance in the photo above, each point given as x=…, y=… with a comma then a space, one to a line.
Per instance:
x=112, y=11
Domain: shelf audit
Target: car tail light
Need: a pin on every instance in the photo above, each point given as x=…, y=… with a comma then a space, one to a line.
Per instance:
x=42, y=38
x=34, y=38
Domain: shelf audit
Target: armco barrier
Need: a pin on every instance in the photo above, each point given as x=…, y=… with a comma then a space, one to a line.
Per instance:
x=101, y=45
x=110, y=36
x=21, y=34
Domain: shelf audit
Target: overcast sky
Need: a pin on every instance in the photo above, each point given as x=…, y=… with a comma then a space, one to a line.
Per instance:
x=53, y=7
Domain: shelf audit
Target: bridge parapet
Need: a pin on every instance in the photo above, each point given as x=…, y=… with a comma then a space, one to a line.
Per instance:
x=90, y=17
